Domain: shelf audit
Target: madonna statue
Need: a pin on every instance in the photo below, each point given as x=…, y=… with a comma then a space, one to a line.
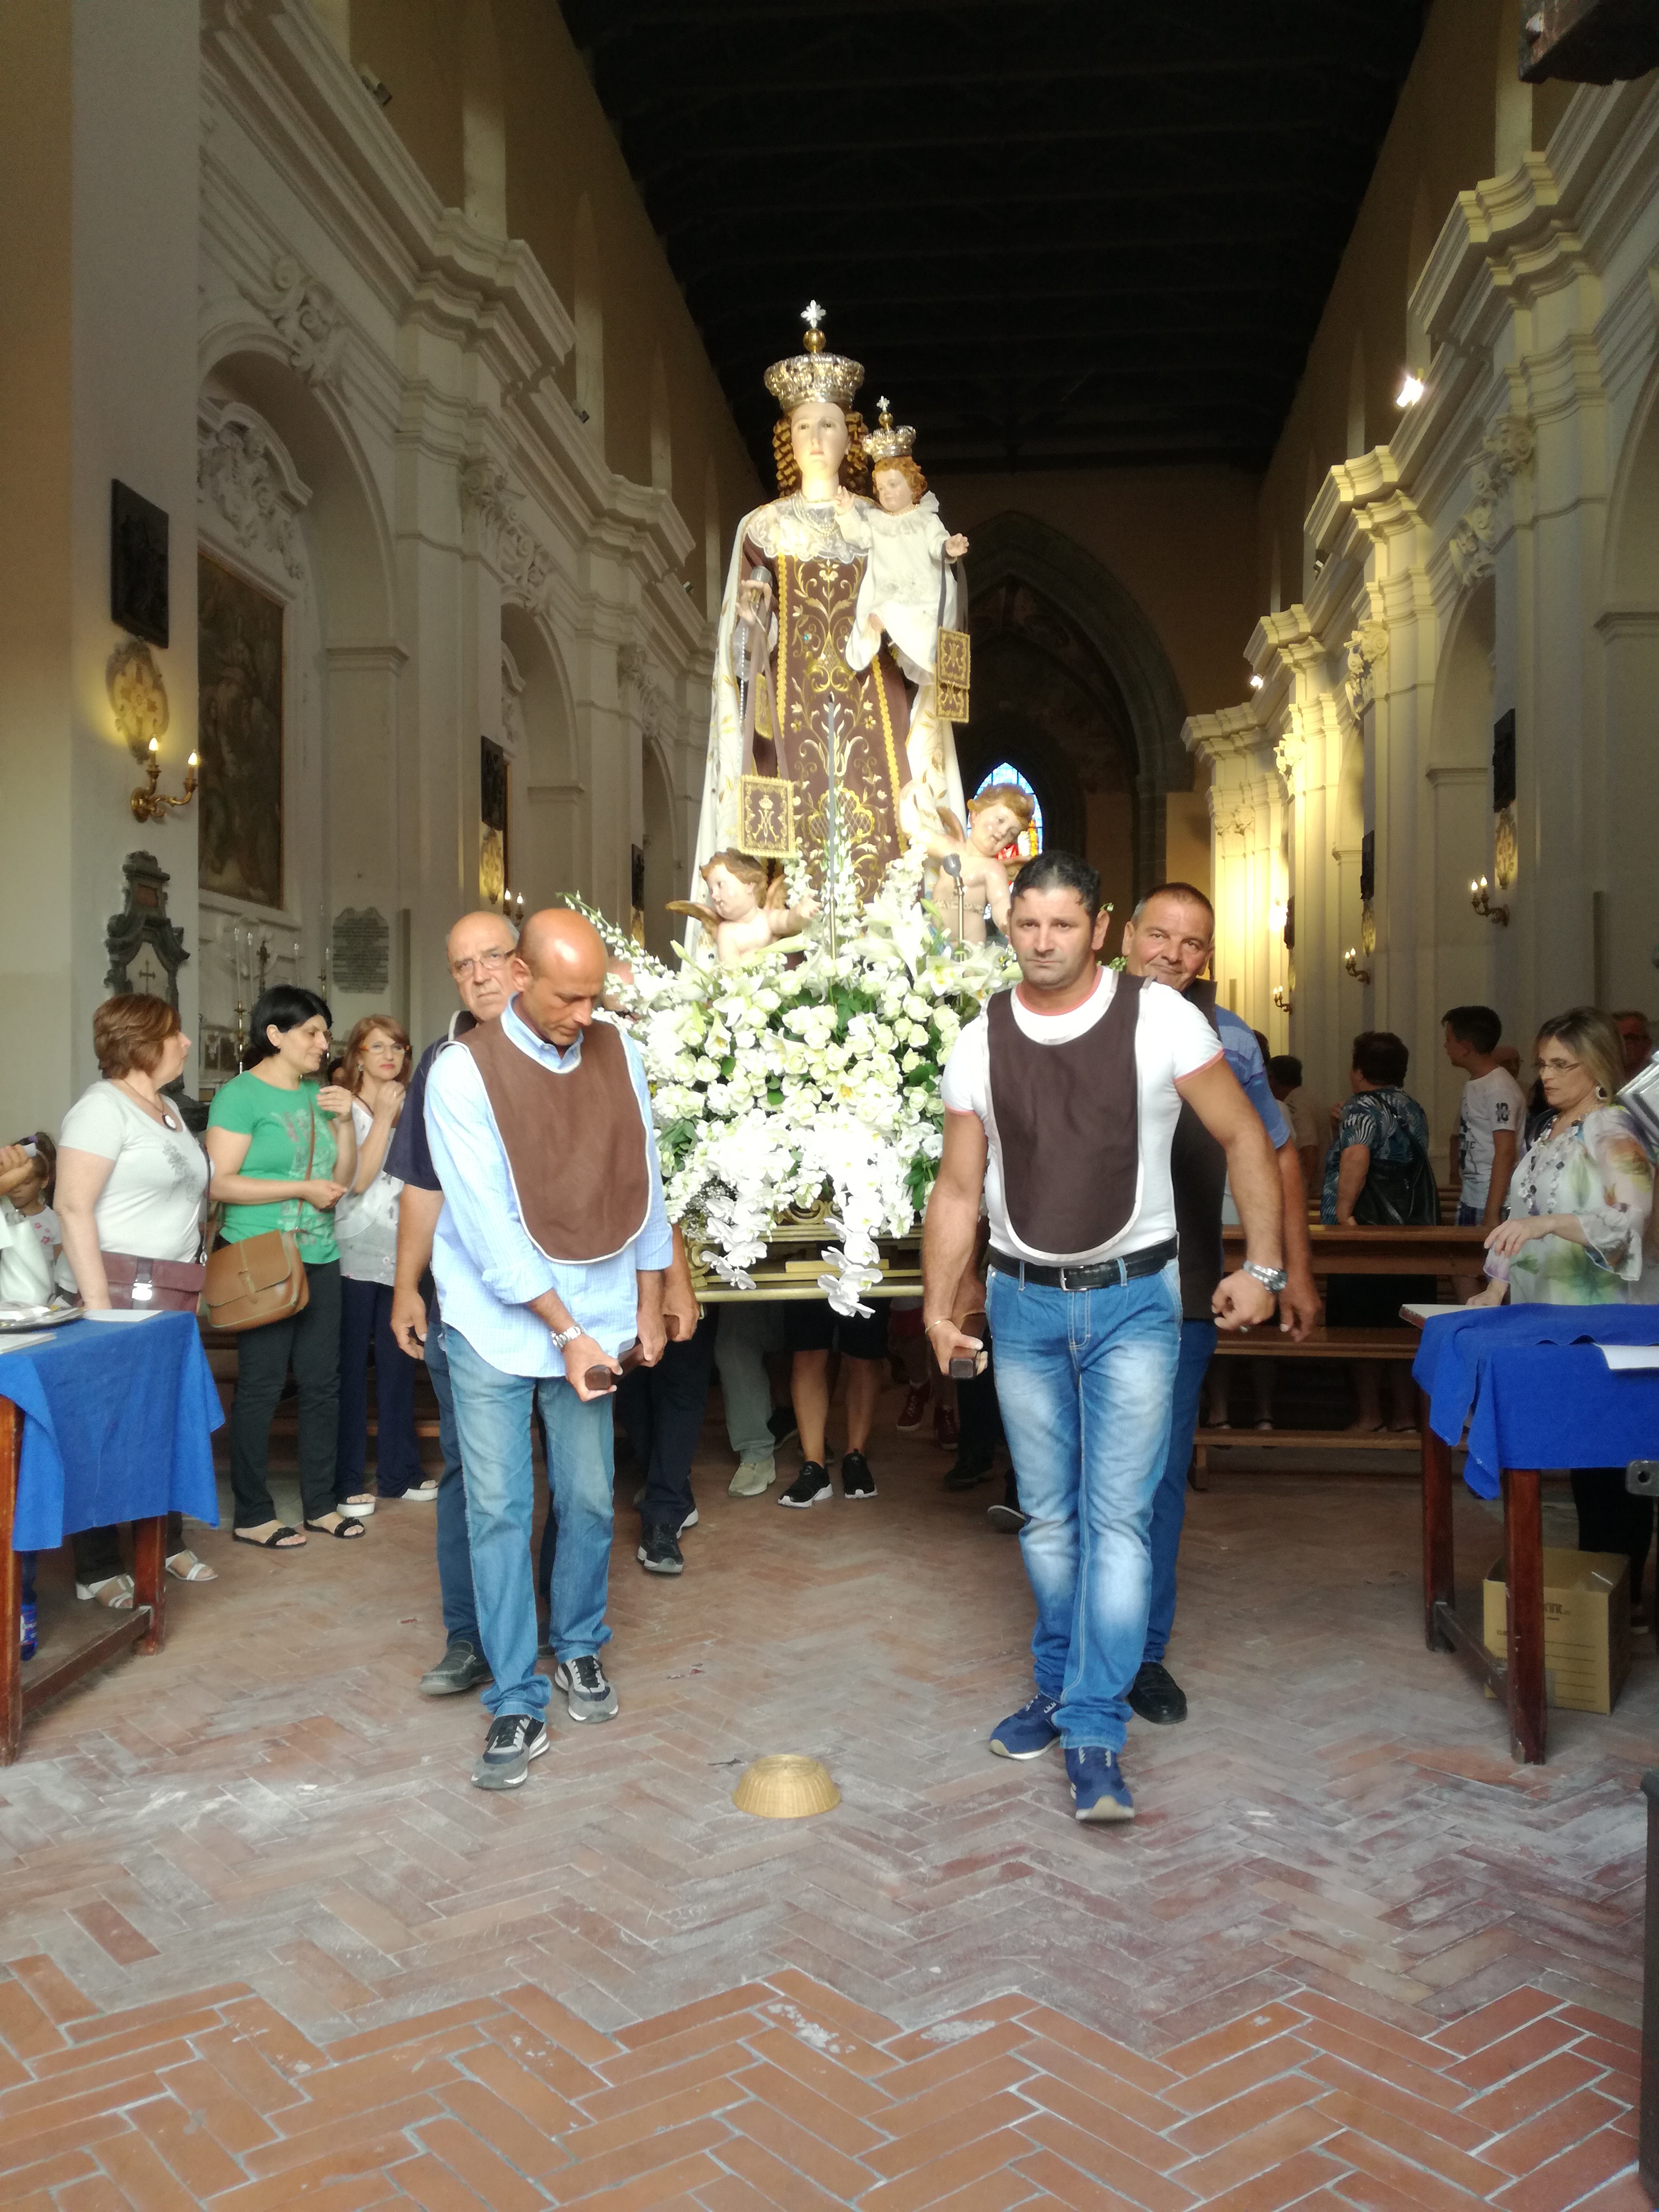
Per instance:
x=784, y=688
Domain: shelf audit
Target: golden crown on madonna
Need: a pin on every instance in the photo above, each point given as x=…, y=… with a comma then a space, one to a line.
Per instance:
x=814, y=374
x=889, y=442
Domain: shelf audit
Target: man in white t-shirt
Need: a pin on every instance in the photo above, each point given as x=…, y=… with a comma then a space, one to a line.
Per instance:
x=1061, y=1101
x=1487, y=1138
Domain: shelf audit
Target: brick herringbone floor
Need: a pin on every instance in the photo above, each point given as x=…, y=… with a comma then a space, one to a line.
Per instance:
x=1346, y=1955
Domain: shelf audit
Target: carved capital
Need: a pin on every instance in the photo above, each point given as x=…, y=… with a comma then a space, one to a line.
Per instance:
x=1505, y=453
x=1366, y=648
x=500, y=534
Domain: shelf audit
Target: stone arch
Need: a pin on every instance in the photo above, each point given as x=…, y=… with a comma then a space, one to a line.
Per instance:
x=343, y=798
x=549, y=858
x=588, y=318
x=1072, y=676
x=663, y=871
x=1463, y=946
x=483, y=131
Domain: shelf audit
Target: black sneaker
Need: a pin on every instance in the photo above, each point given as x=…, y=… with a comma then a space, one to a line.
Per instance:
x=460, y=1668
x=659, y=1551
x=1156, y=1696
x=856, y=1480
x=969, y=1471
x=514, y=1740
x=782, y=1422
x=1005, y=1517
x=588, y=1695
x=809, y=1487
x=690, y=1521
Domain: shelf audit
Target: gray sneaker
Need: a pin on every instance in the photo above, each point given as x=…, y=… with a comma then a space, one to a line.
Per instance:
x=753, y=1477
x=588, y=1695
x=514, y=1740
x=460, y=1668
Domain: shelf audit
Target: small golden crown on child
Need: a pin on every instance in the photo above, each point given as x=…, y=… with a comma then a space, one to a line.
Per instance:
x=887, y=443
x=814, y=374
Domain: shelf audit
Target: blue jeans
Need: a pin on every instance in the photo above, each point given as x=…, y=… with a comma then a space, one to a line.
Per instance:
x=1084, y=1380
x=1169, y=1504
x=492, y=1419
x=454, y=1553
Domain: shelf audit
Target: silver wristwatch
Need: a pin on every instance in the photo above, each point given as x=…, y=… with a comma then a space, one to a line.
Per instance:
x=1272, y=1278
x=563, y=1336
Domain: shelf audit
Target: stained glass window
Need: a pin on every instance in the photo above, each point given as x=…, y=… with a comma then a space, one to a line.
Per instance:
x=1030, y=842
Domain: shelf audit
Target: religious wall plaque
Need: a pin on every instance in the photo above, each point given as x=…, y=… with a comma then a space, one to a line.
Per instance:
x=137, y=564
x=360, y=957
x=144, y=949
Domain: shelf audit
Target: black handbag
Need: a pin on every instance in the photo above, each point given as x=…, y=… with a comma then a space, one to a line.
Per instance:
x=1399, y=1194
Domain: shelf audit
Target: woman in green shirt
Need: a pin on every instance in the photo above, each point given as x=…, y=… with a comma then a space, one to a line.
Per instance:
x=283, y=1153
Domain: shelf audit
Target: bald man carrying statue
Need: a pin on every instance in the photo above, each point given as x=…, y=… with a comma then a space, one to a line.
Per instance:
x=548, y=1259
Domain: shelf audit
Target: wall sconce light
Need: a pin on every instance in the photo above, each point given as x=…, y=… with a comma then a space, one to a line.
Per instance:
x=149, y=805
x=1410, y=391
x=1282, y=998
x=1350, y=965
x=1255, y=683
x=1481, y=900
x=1276, y=914
x=511, y=905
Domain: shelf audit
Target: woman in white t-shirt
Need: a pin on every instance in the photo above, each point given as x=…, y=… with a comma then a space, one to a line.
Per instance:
x=376, y=1073
x=130, y=1179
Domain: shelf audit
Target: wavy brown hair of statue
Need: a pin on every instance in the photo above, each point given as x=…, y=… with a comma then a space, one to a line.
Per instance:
x=855, y=466
x=908, y=469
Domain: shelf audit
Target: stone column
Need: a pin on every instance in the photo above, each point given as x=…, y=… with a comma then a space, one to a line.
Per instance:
x=100, y=147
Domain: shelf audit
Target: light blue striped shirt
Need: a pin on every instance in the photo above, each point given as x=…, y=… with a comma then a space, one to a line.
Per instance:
x=485, y=1263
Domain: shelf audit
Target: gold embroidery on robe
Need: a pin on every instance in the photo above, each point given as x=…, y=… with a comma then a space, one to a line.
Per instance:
x=816, y=600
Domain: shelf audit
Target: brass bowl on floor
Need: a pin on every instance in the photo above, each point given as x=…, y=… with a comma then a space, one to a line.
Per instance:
x=785, y=1786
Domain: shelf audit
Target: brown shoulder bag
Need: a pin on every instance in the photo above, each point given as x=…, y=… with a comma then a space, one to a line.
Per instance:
x=261, y=1280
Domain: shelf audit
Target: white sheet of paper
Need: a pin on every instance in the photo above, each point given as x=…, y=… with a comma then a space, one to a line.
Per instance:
x=1622, y=1357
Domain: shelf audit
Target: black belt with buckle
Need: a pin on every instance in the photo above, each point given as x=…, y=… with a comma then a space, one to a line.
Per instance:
x=1100, y=1275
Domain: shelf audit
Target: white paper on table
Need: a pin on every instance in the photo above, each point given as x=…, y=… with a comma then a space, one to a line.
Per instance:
x=27, y=1341
x=1428, y=1312
x=1628, y=1356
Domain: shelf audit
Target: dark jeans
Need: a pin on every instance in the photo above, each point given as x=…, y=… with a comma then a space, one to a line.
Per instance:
x=97, y=1551
x=454, y=1552
x=662, y=1410
x=1610, y=1520
x=311, y=1340
x=366, y=1327
x=979, y=1416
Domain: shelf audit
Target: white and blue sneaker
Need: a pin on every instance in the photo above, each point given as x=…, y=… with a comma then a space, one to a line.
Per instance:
x=588, y=1695
x=1030, y=1732
x=1098, y=1788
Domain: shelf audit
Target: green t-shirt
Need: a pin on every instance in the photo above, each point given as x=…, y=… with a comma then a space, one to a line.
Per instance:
x=278, y=1126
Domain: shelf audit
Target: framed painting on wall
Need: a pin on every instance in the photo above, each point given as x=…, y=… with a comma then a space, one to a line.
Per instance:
x=493, y=878
x=240, y=737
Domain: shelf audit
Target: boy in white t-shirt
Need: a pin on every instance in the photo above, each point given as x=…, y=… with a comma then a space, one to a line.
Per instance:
x=1487, y=1137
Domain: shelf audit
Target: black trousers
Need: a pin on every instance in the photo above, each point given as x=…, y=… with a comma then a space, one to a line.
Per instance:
x=1610, y=1520
x=662, y=1410
x=311, y=1340
x=365, y=1329
x=97, y=1551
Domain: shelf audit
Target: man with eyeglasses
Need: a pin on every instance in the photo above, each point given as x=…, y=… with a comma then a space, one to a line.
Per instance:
x=479, y=948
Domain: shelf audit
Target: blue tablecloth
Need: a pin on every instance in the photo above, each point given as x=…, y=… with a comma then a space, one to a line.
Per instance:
x=118, y=1424
x=1534, y=1389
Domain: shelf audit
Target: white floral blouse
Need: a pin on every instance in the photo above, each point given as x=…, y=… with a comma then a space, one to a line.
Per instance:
x=1596, y=1170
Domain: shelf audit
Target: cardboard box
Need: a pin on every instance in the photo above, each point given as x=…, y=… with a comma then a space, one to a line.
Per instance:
x=1586, y=1626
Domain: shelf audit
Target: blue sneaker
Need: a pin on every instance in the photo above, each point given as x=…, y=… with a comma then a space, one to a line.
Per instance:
x=1028, y=1733
x=1098, y=1785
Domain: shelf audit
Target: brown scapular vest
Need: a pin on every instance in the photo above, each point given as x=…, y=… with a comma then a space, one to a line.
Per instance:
x=1067, y=1119
x=574, y=1143
x=1198, y=1173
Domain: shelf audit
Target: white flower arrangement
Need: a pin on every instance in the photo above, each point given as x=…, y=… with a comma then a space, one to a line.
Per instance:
x=812, y=1068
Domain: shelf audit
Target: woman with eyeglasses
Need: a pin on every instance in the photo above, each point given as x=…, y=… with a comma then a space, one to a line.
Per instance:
x=284, y=1151
x=1579, y=1205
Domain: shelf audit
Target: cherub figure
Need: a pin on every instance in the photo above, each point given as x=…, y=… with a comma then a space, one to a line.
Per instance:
x=747, y=908
x=997, y=816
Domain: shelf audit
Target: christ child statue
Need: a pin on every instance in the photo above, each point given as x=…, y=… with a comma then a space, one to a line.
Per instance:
x=998, y=816
x=746, y=908
x=906, y=546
